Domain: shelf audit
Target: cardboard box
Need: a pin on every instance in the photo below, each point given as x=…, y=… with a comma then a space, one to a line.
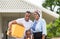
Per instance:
x=17, y=31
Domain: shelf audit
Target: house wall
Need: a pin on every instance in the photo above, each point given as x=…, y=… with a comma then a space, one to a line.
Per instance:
x=0, y=27
x=48, y=17
x=6, y=17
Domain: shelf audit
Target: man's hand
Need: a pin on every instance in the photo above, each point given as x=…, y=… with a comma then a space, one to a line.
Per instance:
x=9, y=32
x=10, y=26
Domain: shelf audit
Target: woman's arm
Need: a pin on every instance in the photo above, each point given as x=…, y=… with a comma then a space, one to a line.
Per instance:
x=43, y=36
x=44, y=31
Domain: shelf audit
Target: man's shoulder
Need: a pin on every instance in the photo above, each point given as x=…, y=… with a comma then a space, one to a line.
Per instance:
x=30, y=21
x=20, y=18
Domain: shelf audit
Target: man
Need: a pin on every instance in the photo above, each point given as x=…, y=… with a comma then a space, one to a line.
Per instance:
x=26, y=22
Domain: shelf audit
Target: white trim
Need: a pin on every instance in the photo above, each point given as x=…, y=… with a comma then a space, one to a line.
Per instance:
x=50, y=12
x=15, y=10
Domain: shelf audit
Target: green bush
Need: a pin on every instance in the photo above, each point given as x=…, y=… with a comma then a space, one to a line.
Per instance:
x=53, y=29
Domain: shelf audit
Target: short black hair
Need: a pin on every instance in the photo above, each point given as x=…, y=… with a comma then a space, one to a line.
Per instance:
x=28, y=12
x=28, y=31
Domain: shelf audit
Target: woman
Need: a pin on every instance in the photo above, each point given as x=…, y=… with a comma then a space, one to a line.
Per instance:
x=39, y=26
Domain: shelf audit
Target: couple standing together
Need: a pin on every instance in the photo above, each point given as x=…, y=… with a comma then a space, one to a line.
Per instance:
x=38, y=27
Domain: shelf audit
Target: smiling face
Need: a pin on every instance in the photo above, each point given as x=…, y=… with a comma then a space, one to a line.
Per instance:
x=27, y=16
x=36, y=16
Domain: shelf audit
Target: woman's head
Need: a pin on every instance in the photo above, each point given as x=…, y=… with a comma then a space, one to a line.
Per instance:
x=36, y=15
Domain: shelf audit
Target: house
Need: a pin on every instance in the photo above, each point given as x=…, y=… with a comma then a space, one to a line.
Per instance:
x=13, y=9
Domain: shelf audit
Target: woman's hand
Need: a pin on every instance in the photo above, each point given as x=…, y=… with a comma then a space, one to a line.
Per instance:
x=43, y=36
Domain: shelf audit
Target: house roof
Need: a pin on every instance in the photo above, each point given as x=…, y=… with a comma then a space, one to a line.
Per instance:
x=16, y=6
x=54, y=14
x=22, y=6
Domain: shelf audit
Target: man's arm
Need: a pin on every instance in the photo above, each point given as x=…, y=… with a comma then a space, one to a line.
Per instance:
x=10, y=24
x=14, y=22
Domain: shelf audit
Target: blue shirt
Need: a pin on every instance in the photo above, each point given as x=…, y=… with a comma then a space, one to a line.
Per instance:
x=40, y=26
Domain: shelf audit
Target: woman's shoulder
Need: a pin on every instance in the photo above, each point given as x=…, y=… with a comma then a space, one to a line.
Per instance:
x=43, y=20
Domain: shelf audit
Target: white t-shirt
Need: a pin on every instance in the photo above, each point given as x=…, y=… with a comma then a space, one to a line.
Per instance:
x=26, y=24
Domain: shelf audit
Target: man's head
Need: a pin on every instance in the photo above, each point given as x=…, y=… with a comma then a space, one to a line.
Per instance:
x=27, y=15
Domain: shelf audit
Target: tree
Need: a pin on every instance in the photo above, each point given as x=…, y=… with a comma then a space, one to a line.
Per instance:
x=52, y=4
